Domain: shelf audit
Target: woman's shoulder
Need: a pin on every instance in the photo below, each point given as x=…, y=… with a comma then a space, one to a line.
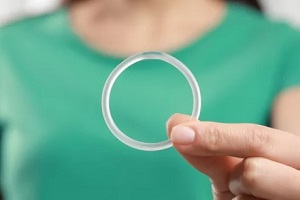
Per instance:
x=262, y=24
x=261, y=30
x=30, y=25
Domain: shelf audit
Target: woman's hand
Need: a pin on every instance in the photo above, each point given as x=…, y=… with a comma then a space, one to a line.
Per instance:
x=242, y=160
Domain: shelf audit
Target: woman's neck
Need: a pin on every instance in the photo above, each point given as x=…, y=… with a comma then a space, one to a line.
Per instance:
x=125, y=27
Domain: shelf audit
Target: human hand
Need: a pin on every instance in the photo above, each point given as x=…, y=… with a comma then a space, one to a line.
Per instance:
x=243, y=161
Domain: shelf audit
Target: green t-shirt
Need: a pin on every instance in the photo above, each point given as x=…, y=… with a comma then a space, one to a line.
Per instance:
x=55, y=143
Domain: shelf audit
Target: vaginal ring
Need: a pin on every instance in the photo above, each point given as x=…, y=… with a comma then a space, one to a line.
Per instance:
x=114, y=75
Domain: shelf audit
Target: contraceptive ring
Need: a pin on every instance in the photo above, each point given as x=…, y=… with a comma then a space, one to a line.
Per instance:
x=124, y=65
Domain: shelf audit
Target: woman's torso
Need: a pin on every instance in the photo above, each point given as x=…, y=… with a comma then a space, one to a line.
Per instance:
x=56, y=144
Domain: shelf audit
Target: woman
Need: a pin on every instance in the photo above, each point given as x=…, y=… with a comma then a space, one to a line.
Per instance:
x=56, y=144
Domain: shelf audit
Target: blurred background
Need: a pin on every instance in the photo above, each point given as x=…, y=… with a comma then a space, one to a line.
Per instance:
x=13, y=9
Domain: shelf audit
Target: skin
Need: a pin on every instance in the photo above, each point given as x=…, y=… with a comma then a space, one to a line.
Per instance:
x=243, y=161
x=124, y=27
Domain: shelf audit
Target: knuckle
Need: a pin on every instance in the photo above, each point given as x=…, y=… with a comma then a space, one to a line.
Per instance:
x=258, y=139
x=212, y=140
x=250, y=174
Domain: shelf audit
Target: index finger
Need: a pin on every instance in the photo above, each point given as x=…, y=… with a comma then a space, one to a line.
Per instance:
x=237, y=140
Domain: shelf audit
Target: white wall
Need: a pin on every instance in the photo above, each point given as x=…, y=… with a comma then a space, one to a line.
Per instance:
x=288, y=10
x=280, y=9
x=11, y=9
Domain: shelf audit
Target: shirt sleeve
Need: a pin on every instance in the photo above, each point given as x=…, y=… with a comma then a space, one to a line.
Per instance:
x=291, y=65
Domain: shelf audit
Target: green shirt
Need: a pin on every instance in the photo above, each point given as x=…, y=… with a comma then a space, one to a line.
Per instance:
x=55, y=143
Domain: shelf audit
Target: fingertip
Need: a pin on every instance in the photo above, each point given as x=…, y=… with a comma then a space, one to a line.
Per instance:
x=175, y=120
x=170, y=122
x=176, y=117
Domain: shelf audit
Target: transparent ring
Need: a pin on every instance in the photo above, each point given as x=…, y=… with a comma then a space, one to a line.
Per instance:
x=114, y=75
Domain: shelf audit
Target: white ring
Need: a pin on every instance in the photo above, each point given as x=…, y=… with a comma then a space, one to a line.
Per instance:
x=114, y=75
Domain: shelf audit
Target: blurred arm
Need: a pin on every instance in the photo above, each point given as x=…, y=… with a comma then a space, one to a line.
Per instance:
x=286, y=111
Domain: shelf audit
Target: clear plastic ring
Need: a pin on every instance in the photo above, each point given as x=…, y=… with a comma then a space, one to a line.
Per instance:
x=114, y=75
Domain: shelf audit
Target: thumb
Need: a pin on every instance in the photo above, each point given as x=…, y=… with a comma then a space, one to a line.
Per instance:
x=217, y=168
x=177, y=119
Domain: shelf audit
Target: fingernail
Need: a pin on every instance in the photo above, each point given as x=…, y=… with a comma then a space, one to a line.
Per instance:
x=235, y=198
x=182, y=135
